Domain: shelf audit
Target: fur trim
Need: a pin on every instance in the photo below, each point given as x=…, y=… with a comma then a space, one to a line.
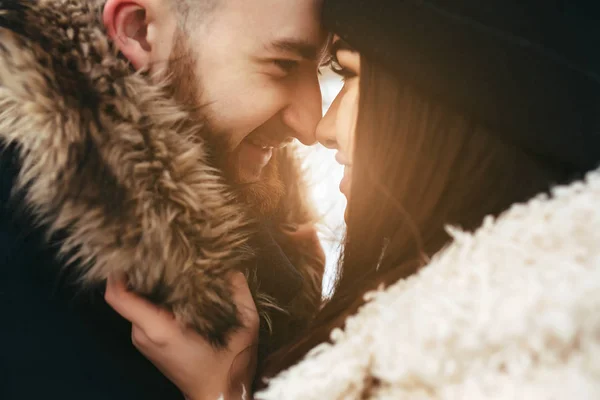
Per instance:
x=509, y=312
x=109, y=159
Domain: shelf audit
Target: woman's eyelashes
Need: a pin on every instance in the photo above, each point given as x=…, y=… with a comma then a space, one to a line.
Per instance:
x=339, y=69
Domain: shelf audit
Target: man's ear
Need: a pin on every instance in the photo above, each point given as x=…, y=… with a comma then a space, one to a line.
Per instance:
x=127, y=25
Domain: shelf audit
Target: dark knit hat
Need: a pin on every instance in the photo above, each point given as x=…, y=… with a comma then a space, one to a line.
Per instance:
x=527, y=69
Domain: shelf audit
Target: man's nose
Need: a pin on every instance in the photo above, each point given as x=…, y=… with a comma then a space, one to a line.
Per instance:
x=305, y=109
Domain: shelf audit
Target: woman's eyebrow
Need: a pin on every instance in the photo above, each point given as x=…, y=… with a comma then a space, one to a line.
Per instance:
x=340, y=44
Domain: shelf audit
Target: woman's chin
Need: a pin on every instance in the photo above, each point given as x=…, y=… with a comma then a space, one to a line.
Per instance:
x=345, y=190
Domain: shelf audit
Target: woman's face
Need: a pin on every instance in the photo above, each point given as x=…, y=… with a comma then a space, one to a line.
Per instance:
x=337, y=128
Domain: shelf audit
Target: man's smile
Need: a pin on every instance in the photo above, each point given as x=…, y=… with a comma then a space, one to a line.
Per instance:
x=254, y=155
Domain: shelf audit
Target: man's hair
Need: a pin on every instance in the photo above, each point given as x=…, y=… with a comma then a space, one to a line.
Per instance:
x=191, y=12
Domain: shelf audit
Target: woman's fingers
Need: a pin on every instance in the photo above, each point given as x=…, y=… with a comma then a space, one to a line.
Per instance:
x=131, y=307
x=181, y=354
x=154, y=322
x=141, y=341
x=243, y=300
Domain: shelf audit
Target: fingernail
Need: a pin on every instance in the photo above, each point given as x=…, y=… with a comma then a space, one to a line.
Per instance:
x=289, y=227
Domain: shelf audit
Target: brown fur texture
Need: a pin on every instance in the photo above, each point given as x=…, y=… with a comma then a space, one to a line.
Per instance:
x=117, y=166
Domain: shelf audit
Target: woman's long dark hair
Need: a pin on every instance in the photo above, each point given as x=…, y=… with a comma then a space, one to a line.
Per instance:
x=418, y=166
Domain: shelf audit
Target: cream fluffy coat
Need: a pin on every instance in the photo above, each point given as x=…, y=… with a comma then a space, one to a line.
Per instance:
x=509, y=312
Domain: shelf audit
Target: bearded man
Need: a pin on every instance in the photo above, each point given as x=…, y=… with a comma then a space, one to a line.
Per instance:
x=146, y=138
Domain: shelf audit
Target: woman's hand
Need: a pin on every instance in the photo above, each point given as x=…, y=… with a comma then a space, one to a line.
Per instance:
x=199, y=370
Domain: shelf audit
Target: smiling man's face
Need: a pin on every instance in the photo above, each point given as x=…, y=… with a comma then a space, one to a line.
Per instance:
x=248, y=66
x=252, y=68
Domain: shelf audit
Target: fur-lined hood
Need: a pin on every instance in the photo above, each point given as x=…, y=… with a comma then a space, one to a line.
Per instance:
x=113, y=163
x=511, y=311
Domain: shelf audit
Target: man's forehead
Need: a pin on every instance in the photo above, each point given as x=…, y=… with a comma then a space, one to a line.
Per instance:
x=278, y=21
x=312, y=50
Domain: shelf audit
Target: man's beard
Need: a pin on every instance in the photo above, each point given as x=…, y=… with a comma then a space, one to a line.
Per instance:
x=262, y=195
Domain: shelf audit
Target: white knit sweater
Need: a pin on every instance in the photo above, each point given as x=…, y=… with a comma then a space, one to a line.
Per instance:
x=509, y=312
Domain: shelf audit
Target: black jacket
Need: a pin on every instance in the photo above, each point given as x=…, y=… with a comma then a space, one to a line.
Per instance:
x=58, y=341
x=62, y=341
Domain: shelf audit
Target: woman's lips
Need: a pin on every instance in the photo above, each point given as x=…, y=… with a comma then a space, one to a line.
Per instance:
x=345, y=183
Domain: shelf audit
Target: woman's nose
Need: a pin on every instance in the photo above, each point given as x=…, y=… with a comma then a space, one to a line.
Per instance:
x=326, y=133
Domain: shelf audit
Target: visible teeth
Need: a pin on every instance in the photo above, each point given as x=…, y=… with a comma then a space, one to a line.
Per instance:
x=260, y=144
